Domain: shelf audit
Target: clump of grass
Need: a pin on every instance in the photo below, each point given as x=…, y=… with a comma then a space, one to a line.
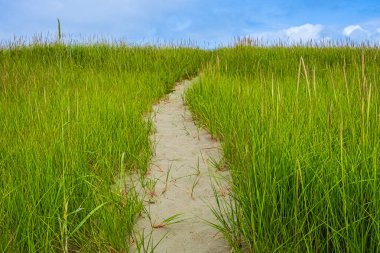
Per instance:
x=301, y=137
x=71, y=123
x=176, y=218
x=197, y=174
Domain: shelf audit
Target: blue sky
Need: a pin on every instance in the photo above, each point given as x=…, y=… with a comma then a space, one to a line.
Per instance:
x=209, y=22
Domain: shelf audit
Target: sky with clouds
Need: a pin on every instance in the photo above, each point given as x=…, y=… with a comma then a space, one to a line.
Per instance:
x=211, y=22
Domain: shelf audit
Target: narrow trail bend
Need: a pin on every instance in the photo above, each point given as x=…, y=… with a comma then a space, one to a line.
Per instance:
x=181, y=173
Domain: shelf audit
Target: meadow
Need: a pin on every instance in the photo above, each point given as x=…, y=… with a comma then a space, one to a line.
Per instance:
x=300, y=130
x=299, y=126
x=73, y=122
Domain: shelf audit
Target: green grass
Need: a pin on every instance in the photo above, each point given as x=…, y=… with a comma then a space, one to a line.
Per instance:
x=301, y=132
x=72, y=121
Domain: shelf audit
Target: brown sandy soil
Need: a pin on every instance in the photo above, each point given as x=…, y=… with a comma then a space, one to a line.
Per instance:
x=180, y=177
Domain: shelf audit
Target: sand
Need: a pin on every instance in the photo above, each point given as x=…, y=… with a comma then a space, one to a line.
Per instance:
x=181, y=173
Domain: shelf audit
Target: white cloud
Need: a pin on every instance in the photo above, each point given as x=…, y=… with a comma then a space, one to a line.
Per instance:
x=97, y=10
x=304, y=32
x=130, y=19
x=349, y=30
x=319, y=34
x=294, y=34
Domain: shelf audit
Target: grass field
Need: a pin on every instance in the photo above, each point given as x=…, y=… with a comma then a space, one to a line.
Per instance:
x=300, y=128
x=72, y=122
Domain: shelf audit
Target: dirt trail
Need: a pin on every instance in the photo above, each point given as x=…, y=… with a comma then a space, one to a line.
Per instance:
x=183, y=168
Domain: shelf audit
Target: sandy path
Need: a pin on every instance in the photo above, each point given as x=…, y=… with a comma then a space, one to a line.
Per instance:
x=187, y=154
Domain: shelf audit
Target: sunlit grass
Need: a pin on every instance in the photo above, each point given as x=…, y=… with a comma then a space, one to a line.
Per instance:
x=301, y=132
x=300, y=129
x=72, y=121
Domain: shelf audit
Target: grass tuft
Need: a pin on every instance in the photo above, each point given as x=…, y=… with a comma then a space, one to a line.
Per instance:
x=301, y=137
x=71, y=124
